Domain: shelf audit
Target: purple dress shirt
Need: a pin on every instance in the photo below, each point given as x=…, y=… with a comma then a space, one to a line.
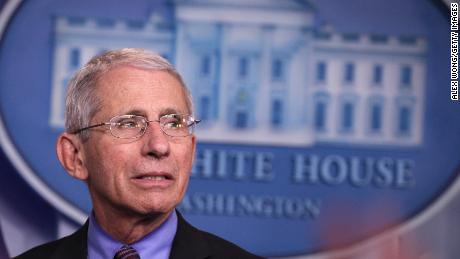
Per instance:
x=155, y=245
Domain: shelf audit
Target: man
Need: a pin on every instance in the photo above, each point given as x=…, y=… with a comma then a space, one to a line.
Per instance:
x=129, y=136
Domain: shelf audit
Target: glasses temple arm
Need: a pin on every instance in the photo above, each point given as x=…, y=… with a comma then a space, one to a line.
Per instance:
x=89, y=127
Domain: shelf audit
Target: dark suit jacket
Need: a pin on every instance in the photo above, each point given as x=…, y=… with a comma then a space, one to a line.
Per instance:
x=189, y=243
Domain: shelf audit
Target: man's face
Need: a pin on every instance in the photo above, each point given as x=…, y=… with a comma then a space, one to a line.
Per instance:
x=148, y=175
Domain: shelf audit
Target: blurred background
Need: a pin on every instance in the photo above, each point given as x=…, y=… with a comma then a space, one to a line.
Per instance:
x=328, y=129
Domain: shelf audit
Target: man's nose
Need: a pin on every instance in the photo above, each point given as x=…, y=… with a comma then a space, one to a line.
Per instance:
x=156, y=143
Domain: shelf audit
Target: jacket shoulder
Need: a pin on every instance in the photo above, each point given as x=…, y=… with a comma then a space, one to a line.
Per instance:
x=222, y=248
x=42, y=251
x=71, y=247
x=191, y=242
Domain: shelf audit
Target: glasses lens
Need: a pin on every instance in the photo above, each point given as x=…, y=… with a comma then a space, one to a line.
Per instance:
x=177, y=125
x=127, y=126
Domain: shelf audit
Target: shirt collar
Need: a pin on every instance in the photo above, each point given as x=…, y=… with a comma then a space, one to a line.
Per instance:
x=156, y=245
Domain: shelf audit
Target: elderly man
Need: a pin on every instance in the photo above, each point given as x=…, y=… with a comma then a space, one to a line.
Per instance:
x=129, y=136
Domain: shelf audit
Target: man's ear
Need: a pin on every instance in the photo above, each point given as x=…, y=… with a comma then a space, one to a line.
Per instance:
x=69, y=149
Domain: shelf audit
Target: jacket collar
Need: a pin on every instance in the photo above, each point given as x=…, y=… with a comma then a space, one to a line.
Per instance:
x=189, y=242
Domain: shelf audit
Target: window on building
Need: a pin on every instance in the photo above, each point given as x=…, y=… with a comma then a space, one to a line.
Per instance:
x=166, y=56
x=320, y=116
x=241, y=120
x=105, y=23
x=277, y=69
x=321, y=71
x=347, y=116
x=379, y=39
x=376, y=117
x=205, y=66
x=75, y=58
x=135, y=25
x=407, y=40
x=322, y=35
x=377, y=75
x=404, y=120
x=349, y=75
x=102, y=51
x=76, y=21
x=277, y=113
x=243, y=67
x=204, y=108
x=350, y=37
x=406, y=76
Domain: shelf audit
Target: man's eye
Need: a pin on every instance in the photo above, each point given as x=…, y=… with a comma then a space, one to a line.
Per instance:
x=173, y=123
x=128, y=124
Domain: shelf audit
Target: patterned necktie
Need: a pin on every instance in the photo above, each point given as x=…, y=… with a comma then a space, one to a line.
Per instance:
x=126, y=252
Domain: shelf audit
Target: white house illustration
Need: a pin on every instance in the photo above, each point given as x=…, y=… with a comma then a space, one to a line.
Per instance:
x=263, y=72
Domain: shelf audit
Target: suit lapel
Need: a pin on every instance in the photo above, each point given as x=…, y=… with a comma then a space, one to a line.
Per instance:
x=73, y=246
x=189, y=242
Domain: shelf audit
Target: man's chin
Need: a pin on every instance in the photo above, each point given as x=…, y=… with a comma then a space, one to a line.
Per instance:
x=157, y=210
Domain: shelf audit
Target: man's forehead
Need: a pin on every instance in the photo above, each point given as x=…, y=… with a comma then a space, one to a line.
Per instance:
x=126, y=77
x=124, y=90
x=127, y=73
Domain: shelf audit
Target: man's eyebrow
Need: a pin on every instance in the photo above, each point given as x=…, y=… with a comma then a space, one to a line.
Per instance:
x=135, y=112
x=142, y=112
x=169, y=111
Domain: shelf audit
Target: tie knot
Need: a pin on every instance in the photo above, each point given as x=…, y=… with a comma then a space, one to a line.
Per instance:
x=126, y=252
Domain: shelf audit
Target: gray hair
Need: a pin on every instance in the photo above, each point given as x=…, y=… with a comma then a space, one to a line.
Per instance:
x=82, y=102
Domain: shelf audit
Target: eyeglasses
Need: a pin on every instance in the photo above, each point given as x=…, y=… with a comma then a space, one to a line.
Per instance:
x=134, y=126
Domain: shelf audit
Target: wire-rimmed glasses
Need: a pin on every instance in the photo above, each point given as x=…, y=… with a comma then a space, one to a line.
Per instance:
x=134, y=126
